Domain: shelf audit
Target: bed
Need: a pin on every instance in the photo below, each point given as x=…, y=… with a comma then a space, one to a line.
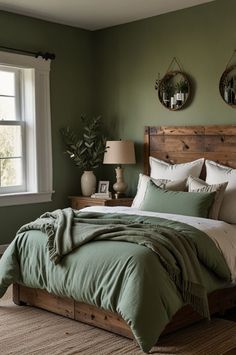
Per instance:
x=176, y=145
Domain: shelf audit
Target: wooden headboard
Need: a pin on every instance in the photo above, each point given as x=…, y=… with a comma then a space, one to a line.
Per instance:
x=176, y=144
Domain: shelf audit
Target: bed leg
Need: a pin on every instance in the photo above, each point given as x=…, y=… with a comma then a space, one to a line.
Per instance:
x=16, y=295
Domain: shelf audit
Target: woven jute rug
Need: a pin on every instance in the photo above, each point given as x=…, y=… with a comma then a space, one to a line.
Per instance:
x=26, y=331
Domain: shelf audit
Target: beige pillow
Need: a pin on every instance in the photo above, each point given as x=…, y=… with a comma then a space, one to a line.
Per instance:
x=178, y=185
x=216, y=174
x=198, y=185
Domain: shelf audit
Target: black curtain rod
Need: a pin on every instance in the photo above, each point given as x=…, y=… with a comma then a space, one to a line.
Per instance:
x=44, y=55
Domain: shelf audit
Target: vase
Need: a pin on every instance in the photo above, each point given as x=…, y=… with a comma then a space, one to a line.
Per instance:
x=88, y=183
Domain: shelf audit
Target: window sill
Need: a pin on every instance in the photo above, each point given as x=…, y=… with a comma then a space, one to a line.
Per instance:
x=24, y=198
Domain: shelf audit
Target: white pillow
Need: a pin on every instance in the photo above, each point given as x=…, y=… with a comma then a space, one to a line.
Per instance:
x=162, y=170
x=178, y=185
x=198, y=185
x=216, y=174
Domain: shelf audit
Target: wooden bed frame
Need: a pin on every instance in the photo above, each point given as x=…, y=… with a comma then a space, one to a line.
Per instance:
x=175, y=145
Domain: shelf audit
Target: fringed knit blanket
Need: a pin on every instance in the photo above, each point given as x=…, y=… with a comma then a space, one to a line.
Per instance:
x=179, y=246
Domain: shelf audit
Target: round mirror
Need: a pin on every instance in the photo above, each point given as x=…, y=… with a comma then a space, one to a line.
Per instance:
x=228, y=86
x=174, y=90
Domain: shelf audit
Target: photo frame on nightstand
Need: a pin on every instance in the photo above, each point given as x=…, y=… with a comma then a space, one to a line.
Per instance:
x=103, y=187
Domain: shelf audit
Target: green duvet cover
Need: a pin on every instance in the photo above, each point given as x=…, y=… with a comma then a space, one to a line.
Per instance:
x=144, y=268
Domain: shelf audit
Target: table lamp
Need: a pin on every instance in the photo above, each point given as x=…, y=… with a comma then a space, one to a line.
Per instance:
x=119, y=152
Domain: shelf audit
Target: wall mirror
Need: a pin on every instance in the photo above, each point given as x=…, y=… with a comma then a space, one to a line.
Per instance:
x=174, y=90
x=174, y=87
x=227, y=86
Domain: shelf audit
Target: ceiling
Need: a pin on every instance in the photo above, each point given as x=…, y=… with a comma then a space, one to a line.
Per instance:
x=95, y=14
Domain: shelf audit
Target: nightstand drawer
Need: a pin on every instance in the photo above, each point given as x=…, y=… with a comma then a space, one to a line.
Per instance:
x=78, y=202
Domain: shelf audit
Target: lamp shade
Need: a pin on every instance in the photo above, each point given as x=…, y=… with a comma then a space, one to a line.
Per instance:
x=119, y=152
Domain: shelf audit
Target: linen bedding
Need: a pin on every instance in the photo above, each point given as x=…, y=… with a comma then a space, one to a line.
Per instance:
x=119, y=276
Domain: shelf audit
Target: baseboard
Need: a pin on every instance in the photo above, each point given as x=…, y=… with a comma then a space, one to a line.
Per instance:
x=3, y=247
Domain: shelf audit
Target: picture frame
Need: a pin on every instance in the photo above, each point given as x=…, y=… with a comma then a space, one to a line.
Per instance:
x=103, y=187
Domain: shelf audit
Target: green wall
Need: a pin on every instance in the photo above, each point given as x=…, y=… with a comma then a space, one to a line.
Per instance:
x=129, y=58
x=71, y=84
x=112, y=72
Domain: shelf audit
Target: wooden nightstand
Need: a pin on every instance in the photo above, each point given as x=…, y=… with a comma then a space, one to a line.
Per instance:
x=78, y=202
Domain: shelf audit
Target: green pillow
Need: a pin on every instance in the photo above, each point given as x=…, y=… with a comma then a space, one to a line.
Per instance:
x=177, y=202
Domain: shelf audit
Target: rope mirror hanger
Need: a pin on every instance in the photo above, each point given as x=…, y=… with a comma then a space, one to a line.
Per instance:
x=174, y=87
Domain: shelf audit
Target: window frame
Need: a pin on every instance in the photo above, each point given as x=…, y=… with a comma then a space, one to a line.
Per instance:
x=34, y=105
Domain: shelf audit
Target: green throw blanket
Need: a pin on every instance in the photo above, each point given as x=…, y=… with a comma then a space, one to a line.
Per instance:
x=177, y=245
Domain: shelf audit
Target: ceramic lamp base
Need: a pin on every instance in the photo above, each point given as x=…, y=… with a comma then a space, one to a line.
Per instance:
x=120, y=186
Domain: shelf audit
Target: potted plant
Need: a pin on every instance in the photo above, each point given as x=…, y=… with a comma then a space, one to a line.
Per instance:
x=86, y=152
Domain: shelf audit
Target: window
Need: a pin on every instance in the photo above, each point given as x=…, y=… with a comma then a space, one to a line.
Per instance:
x=25, y=130
x=12, y=148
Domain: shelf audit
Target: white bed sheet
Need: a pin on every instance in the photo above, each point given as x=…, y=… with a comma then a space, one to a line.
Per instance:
x=222, y=233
